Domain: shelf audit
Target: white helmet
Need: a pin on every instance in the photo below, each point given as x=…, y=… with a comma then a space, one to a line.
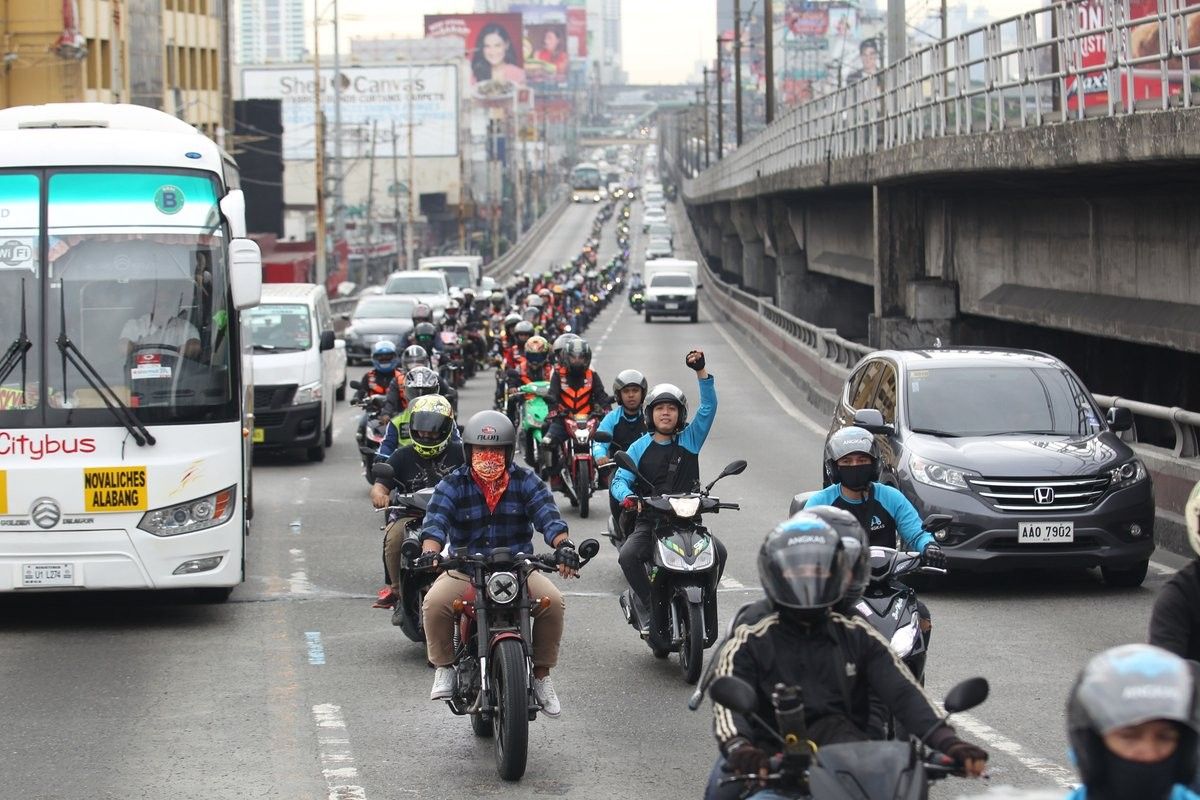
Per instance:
x=1191, y=513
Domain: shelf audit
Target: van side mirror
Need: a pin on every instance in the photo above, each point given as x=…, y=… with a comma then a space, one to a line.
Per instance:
x=1120, y=419
x=245, y=273
x=327, y=340
x=233, y=209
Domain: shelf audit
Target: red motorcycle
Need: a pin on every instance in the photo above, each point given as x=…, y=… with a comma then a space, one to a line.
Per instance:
x=577, y=467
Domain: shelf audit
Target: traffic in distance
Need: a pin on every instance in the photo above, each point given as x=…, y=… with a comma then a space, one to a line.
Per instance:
x=149, y=367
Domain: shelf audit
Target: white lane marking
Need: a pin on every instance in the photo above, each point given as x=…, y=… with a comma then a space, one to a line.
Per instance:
x=298, y=582
x=295, y=526
x=995, y=740
x=337, y=759
x=316, y=650
x=302, y=489
x=731, y=583
x=1162, y=569
x=772, y=388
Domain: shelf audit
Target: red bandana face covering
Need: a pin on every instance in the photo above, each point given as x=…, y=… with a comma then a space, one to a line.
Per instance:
x=490, y=474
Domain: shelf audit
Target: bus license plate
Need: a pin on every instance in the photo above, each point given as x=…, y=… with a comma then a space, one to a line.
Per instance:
x=1045, y=532
x=671, y=306
x=48, y=575
x=260, y=436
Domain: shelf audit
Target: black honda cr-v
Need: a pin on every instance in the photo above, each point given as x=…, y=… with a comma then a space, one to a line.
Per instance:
x=1014, y=447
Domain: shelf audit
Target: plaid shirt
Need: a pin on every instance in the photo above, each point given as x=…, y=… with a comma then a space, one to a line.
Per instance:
x=458, y=511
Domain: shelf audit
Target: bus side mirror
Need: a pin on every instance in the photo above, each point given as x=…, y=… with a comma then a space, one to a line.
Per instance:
x=245, y=273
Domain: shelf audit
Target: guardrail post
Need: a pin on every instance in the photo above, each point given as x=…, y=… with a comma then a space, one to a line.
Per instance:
x=1185, y=434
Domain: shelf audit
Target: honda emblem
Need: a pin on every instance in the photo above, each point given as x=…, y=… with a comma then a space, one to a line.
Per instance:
x=1043, y=495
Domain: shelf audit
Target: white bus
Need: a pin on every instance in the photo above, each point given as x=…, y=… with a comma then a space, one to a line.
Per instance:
x=125, y=389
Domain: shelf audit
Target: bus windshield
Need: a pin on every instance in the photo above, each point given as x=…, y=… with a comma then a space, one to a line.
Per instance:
x=135, y=279
x=585, y=176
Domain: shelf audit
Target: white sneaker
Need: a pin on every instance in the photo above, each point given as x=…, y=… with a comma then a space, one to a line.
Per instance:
x=543, y=690
x=443, y=684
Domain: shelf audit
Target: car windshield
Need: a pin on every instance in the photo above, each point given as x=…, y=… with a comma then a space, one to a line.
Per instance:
x=415, y=284
x=383, y=307
x=660, y=230
x=670, y=280
x=280, y=327
x=989, y=401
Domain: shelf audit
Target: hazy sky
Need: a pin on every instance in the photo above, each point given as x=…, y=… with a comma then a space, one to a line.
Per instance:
x=661, y=39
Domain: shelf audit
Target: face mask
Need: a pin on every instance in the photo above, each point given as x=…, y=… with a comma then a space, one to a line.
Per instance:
x=488, y=464
x=857, y=477
x=1152, y=781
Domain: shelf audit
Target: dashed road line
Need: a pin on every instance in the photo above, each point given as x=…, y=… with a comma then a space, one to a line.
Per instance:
x=1061, y=775
x=316, y=650
x=337, y=759
x=298, y=581
x=731, y=583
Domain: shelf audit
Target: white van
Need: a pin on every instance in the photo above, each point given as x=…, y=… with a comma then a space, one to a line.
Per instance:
x=299, y=369
x=671, y=285
x=460, y=271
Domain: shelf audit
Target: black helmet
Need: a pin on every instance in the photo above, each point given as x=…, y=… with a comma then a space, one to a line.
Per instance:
x=423, y=335
x=420, y=381
x=577, y=357
x=1129, y=685
x=414, y=356
x=802, y=564
x=846, y=441
x=857, y=544
x=666, y=393
x=626, y=378
x=490, y=428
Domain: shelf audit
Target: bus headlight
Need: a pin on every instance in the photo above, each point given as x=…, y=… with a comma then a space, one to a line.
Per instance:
x=308, y=393
x=194, y=515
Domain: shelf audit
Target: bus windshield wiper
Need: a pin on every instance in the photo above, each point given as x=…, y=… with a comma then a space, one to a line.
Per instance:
x=16, y=352
x=78, y=360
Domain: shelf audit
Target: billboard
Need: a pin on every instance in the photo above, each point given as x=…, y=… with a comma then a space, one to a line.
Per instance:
x=824, y=46
x=493, y=44
x=577, y=32
x=379, y=95
x=547, y=55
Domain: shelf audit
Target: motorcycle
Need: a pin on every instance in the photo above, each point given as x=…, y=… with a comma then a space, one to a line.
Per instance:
x=493, y=671
x=533, y=412
x=450, y=364
x=414, y=583
x=872, y=770
x=577, y=467
x=636, y=300
x=684, y=573
x=372, y=428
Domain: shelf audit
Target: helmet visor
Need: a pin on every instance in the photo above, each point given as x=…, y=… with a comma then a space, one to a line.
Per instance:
x=805, y=576
x=428, y=427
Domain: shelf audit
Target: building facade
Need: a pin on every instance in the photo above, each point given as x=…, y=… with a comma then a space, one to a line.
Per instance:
x=270, y=31
x=165, y=54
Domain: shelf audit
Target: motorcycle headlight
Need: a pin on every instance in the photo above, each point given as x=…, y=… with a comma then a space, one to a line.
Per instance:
x=308, y=393
x=194, y=515
x=503, y=587
x=904, y=640
x=581, y=435
x=673, y=558
x=685, y=507
x=1128, y=474
x=931, y=473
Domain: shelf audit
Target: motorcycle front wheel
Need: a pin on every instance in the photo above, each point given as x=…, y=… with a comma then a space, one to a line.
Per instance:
x=691, y=649
x=583, y=487
x=510, y=688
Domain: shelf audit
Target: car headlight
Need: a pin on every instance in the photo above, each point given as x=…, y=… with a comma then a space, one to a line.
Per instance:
x=932, y=473
x=503, y=587
x=1128, y=474
x=194, y=515
x=685, y=507
x=308, y=393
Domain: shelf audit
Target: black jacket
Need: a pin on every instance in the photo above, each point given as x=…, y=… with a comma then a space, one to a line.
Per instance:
x=414, y=473
x=834, y=662
x=1175, y=623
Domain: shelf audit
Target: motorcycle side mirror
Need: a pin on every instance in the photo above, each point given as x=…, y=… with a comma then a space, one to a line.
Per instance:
x=588, y=548
x=383, y=472
x=733, y=468
x=966, y=695
x=355, y=385
x=936, y=522
x=604, y=437
x=626, y=463
x=734, y=693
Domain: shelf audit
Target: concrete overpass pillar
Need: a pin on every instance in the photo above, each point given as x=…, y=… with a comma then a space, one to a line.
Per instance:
x=811, y=296
x=911, y=310
x=744, y=217
x=731, y=258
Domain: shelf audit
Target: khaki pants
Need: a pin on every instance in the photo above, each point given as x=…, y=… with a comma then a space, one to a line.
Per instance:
x=393, y=538
x=439, y=618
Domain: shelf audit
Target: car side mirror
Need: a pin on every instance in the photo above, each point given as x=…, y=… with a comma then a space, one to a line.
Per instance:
x=734, y=693
x=327, y=340
x=868, y=418
x=1120, y=419
x=966, y=695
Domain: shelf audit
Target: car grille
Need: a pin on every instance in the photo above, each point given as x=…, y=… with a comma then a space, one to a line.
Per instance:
x=273, y=396
x=1049, y=495
x=269, y=419
x=672, y=298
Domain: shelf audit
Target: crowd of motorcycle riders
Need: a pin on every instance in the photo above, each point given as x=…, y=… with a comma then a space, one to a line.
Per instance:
x=1133, y=713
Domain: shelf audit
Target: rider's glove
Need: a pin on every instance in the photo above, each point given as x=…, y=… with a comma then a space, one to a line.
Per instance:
x=933, y=556
x=695, y=360
x=746, y=759
x=427, y=559
x=963, y=752
x=629, y=503
x=566, y=556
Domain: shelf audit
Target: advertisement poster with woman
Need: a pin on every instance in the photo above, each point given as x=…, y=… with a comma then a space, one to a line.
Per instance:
x=547, y=60
x=493, y=47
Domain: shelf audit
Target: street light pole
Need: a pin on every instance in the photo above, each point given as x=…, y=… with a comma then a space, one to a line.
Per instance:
x=339, y=197
x=720, y=104
x=706, y=73
x=769, y=57
x=737, y=70
x=319, y=149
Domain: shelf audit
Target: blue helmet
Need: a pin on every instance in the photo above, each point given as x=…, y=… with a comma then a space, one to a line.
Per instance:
x=383, y=357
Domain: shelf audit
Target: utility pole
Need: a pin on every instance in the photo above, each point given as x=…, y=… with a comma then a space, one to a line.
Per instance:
x=319, y=150
x=945, y=23
x=720, y=104
x=769, y=57
x=706, y=74
x=396, y=190
x=409, y=244
x=897, y=38
x=339, y=195
x=737, y=70
x=366, y=262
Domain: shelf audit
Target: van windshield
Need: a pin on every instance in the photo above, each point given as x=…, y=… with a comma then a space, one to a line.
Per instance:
x=989, y=401
x=671, y=281
x=456, y=274
x=415, y=284
x=280, y=327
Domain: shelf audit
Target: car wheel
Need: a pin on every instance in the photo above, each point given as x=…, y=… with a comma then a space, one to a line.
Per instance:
x=1128, y=578
x=329, y=434
x=340, y=394
x=695, y=316
x=646, y=315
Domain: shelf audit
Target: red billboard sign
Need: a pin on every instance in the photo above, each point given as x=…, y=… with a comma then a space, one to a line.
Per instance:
x=577, y=32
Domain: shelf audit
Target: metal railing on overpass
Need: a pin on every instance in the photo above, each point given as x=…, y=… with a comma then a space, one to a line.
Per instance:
x=1024, y=71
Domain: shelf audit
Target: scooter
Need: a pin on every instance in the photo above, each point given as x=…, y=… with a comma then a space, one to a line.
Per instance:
x=372, y=428
x=414, y=583
x=533, y=419
x=872, y=770
x=684, y=573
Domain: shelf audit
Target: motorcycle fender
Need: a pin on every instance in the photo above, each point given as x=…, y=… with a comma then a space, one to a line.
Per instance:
x=695, y=594
x=500, y=637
